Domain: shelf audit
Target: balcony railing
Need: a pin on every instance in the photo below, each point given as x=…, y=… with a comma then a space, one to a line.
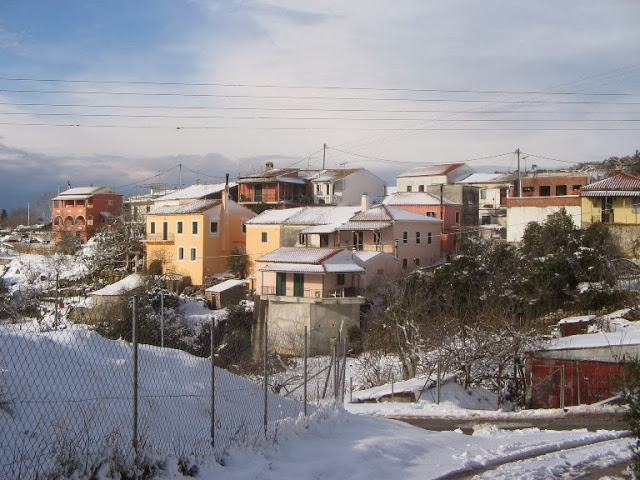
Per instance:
x=313, y=293
x=160, y=238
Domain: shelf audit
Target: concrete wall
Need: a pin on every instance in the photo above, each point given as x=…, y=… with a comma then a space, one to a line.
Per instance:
x=362, y=181
x=286, y=320
x=518, y=217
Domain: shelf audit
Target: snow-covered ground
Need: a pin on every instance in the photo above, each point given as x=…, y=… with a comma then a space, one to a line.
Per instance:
x=66, y=392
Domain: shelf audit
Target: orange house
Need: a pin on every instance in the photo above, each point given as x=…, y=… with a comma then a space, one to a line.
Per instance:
x=195, y=240
x=80, y=211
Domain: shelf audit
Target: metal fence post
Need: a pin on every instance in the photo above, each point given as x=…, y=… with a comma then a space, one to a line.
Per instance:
x=134, y=413
x=350, y=389
x=562, y=386
x=55, y=324
x=306, y=353
x=213, y=391
x=266, y=375
x=335, y=371
x=438, y=373
x=343, y=374
x=162, y=320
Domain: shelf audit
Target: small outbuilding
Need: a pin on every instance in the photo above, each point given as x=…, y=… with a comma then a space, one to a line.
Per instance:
x=110, y=301
x=580, y=369
x=229, y=292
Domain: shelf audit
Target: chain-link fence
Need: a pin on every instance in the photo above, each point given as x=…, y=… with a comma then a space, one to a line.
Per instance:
x=71, y=400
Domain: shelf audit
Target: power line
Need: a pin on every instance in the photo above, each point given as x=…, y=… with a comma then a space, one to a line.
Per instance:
x=312, y=97
x=300, y=87
x=425, y=163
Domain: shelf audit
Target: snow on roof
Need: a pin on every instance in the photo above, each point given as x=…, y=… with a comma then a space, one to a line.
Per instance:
x=320, y=215
x=415, y=198
x=577, y=319
x=338, y=261
x=196, y=191
x=126, y=285
x=595, y=340
x=274, y=174
x=330, y=228
x=430, y=170
x=488, y=178
x=363, y=226
x=364, y=257
x=299, y=255
x=269, y=217
x=81, y=193
x=334, y=174
x=197, y=206
x=226, y=285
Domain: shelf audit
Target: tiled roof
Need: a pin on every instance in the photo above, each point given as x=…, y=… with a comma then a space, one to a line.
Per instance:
x=621, y=181
x=415, y=198
x=196, y=191
x=340, y=261
x=334, y=174
x=305, y=216
x=330, y=228
x=430, y=170
x=267, y=175
x=377, y=214
x=226, y=285
x=273, y=217
x=299, y=255
x=197, y=206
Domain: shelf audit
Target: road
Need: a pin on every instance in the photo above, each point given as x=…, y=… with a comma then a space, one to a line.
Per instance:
x=569, y=421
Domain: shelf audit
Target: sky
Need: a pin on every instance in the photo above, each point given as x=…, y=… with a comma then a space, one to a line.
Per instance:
x=137, y=94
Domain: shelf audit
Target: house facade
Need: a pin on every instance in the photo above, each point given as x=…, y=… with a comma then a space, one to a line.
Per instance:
x=493, y=191
x=613, y=200
x=423, y=203
x=542, y=195
x=278, y=187
x=316, y=288
x=81, y=211
x=195, y=240
x=344, y=186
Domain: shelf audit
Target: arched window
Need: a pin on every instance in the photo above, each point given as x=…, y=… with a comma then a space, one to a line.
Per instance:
x=68, y=222
x=57, y=220
x=80, y=221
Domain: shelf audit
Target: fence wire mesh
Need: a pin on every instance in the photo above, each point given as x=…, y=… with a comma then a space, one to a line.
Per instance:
x=67, y=401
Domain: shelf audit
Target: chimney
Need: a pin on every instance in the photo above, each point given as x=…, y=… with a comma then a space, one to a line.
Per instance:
x=268, y=166
x=364, y=204
x=225, y=194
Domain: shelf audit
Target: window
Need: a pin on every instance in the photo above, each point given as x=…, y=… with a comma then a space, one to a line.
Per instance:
x=193, y=254
x=179, y=227
x=318, y=188
x=417, y=238
x=244, y=227
x=377, y=238
x=404, y=263
x=109, y=202
x=561, y=189
x=68, y=203
x=408, y=188
x=165, y=230
x=458, y=218
x=340, y=279
x=56, y=203
x=264, y=237
x=213, y=227
x=416, y=261
x=545, y=190
x=486, y=220
x=431, y=214
x=57, y=221
x=576, y=189
x=180, y=253
x=429, y=238
x=152, y=228
x=635, y=204
x=194, y=227
x=421, y=188
x=405, y=237
x=301, y=239
x=483, y=194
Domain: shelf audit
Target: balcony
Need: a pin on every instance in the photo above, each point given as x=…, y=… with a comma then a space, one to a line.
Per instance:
x=166, y=238
x=346, y=292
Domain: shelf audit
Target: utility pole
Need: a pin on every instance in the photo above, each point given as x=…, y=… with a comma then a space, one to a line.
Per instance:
x=180, y=175
x=324, y=153
x=519, y=179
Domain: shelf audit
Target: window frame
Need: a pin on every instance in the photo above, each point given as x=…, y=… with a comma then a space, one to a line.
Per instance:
x=180, y=254
x=152, y=227
x=418, y=235
x=194, y=227
x=264, y=237
x=211, y=227
x=405, y=237
x=179, y=227
x=193, y=254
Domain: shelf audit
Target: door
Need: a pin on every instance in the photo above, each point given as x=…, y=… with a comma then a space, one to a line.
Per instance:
x=607, y=210
x=257, y=193
x=165, y=230
x=298, y=285
x=281, y=284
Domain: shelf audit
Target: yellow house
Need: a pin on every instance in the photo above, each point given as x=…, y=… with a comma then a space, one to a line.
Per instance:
x=612, y=200
x=195, y=240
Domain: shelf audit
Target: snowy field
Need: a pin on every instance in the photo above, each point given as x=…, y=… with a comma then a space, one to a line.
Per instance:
x=65, y=402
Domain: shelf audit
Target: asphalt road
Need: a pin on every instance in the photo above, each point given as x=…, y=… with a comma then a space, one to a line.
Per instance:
x=568, y=421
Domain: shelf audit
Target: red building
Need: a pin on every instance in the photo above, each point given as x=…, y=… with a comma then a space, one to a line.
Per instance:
x=81, y=211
